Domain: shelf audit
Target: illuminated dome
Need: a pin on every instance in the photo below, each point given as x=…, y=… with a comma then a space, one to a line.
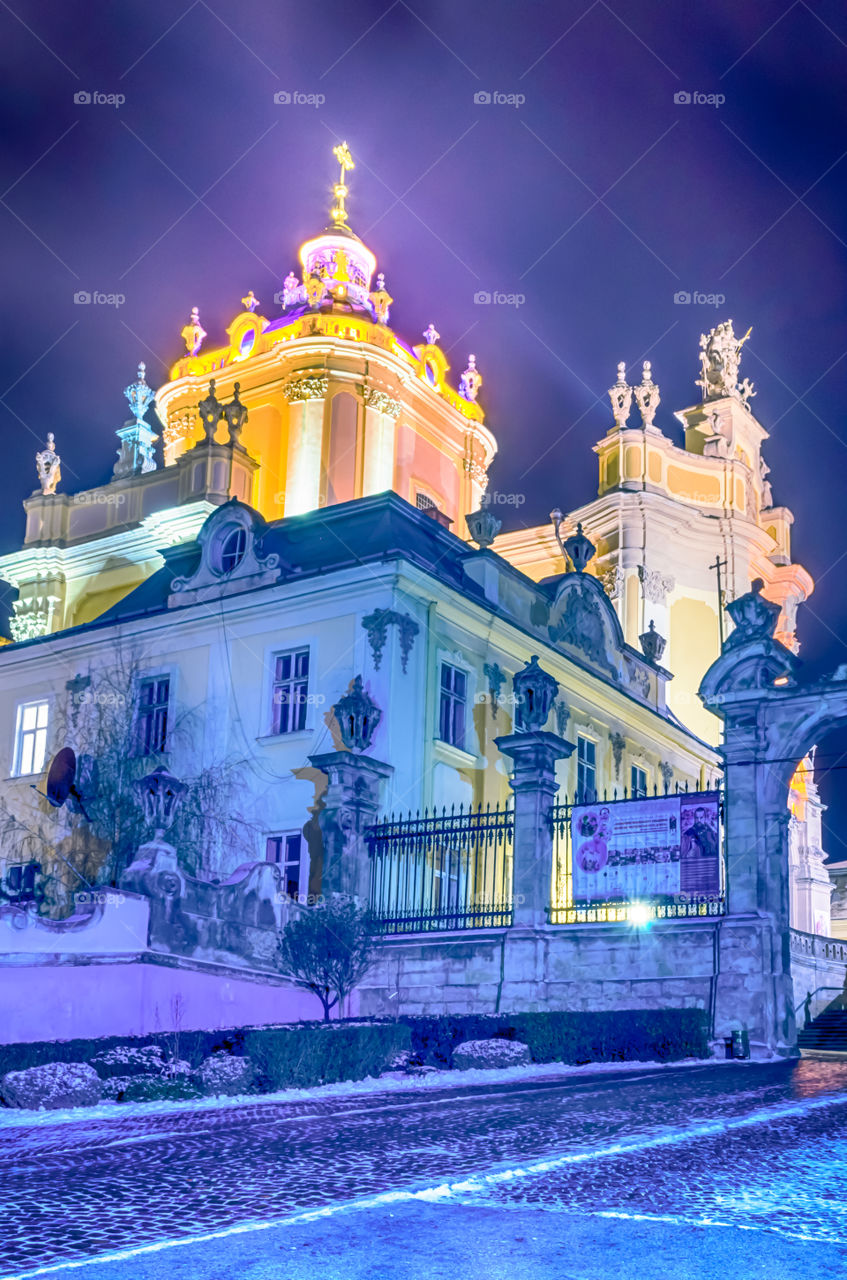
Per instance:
x=337, y=267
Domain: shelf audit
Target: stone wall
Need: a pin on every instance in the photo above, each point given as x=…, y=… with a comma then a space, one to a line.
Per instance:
x=668, y=965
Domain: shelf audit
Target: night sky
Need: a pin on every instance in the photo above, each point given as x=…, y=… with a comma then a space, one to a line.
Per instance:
x=596, y=199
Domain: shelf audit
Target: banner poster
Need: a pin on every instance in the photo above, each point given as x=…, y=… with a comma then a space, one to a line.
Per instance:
x=662, y=846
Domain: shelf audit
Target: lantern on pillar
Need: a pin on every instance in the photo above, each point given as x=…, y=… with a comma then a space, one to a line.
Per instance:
x=160, y=795
x=358, y=716
x=535, y=692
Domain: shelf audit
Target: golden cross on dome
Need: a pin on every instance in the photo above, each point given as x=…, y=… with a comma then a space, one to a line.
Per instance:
x=338, y=213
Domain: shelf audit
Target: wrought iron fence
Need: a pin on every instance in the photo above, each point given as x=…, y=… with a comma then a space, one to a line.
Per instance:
x=564, y=910
x=437, y=872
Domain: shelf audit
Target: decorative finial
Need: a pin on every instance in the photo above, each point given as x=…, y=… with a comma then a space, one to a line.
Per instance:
x=235, y=415
x=210, y=413
x=250, y=302
x=48, y=466
x=652, y=644
x=338, y=212
x=193, y=333
x=483, y=525
x=139, y=394
x=621, y=397
x=577, y=548
x=647, y=397
x=431, y=335
x=135, y=456
x=380, y=300
x=471, y=380
x=290, y=290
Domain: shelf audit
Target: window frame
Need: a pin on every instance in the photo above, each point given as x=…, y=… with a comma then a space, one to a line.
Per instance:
x=292, y=651
x=637, y=793
x=139, y=712
x=20, y=734
x=451, y=664
x=301, y=862
x=582, y=797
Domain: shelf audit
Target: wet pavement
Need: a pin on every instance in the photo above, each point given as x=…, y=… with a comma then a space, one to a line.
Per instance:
x=752, y=1145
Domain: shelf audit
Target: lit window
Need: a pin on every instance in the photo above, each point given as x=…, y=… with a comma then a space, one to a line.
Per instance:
x=286, y=852
x=637, y=783
x=151, y=716
x=31, y=737
x=586, y=770
x=290, y=692
x=453, y=705
x=233, y=549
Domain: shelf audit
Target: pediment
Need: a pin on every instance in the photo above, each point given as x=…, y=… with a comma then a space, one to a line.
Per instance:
x=231, y=559
x=582, y=619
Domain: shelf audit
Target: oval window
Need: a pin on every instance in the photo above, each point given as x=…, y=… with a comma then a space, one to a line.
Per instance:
x=233, y=549
x=248, y=337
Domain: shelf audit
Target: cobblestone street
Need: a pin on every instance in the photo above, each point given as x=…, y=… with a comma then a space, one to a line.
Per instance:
x=743, y=1145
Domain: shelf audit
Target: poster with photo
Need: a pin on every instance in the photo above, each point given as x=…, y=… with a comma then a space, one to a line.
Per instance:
x=663, y=846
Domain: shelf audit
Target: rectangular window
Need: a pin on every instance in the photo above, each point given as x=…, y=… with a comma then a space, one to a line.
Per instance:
x=291, y=688
x=151, y=715
x=286, y=852
x=31, y=737
x=637, y=783
x=586, y=770
x=452, y=706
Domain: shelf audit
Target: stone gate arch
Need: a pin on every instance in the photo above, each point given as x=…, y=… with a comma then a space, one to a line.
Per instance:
x=772, y=717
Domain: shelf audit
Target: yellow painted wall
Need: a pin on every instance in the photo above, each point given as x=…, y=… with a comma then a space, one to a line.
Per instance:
x=694, y=647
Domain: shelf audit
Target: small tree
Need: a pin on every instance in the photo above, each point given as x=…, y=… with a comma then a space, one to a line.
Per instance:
x=328, y=949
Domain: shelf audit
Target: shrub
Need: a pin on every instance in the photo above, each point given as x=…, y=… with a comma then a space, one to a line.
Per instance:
x=316, y=1053
x=158, y=1089
x=663, y=1035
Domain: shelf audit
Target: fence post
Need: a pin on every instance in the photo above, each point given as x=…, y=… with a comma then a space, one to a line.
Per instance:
x=351, y=804
x=533, y=780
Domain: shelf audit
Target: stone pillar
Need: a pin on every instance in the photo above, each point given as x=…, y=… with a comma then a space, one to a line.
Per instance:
x=307, y=398
x=351, y=803
x=534, y=783
x=381, y=414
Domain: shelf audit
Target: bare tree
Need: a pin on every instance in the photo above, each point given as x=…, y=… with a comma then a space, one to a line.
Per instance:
x=81, y=851
x=328, y=949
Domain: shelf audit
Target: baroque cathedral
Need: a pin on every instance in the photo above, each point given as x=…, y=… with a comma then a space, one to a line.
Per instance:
x=322, y=405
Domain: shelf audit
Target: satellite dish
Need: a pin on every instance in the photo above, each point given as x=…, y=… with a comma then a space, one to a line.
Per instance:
x=60, y=781
x=60, y=777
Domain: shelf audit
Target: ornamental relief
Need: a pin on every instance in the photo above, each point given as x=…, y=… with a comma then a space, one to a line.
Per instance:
x=311, y=388
x=655, y=586
x=373, y=398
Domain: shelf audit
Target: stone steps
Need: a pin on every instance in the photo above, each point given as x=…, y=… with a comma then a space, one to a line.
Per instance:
x=826, y=1034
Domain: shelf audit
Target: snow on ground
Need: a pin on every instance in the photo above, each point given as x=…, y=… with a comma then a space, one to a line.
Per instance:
x=391, y=1082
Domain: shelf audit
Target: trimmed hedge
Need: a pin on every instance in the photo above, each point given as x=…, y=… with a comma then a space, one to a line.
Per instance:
x=310, y=1053
x=324, y=1053
x=663, y=1035
x=299, y=1054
